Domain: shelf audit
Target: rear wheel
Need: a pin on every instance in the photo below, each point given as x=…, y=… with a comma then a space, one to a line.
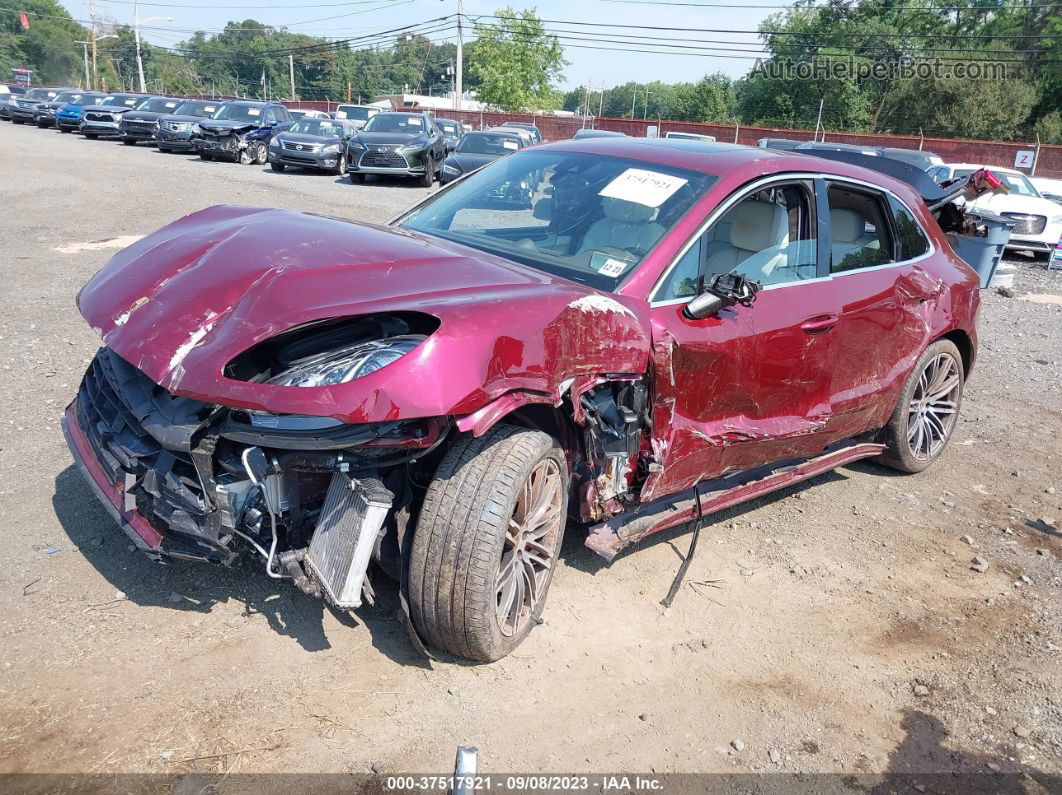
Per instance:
x=925, y=416
x=487, y=541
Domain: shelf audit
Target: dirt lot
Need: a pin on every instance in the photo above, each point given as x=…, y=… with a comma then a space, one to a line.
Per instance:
x=834, y=627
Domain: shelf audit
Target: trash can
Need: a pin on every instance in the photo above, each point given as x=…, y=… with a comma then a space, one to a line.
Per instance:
x=983, y=253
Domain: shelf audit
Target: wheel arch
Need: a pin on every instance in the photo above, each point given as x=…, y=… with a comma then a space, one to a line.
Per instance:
x=964, y=343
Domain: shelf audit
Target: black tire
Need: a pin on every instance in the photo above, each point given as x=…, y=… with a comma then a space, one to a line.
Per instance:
x=16, y=121
x=205, y=156
x=356, y=178
x=277, y=166
x=64, y=130
x=129, y=142
x=902, y=453
x=341, y=165
x=428, y=179
x=90, y=136
x=461, y=536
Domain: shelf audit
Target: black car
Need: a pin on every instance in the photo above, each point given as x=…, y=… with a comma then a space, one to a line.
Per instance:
x=399, y=144
x=103, y=118
x=8, y=98
x=476, y=149
x=240, y=131
x=175, y=129
x=44, y=112
x=315, y=143
x=779, y=144
x=24, y=107
x=141, y=123
x=452, y=132
x=920, y=158
x=536, y=134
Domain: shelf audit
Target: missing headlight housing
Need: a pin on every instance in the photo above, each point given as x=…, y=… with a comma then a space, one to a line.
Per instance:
x=332, y=351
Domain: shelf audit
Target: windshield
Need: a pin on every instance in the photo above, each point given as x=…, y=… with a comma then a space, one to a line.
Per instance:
x=240, y=113
x=589, y=218
x=488, y=144
x=1018, y=183
x=120, y=99
x=86, y=99
x=323, y=127
x=353, y=112
x=196, y=108
x=67, y=96
x=158, y=105
x=40, y=93
x=395, y=123
x=448, y=127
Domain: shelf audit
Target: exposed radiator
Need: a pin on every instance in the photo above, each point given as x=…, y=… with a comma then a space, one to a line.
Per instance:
x=351, y=518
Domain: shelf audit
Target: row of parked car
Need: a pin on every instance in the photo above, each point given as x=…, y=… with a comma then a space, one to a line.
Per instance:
x=356, y=140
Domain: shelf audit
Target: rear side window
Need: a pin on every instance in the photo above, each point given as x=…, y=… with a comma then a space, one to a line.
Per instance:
x=911, y=240
x=859, y=230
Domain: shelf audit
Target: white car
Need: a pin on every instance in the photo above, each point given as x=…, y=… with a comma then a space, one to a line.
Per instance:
x=685, y=136
x=1039, y=220
x=1049, y=188
x=297, y=113
x=357, y=114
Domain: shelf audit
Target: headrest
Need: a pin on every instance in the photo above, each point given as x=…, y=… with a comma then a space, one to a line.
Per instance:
x=756, y=225
x=626, y=212
x=846, y=226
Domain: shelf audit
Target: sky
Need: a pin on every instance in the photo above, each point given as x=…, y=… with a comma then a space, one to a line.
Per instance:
x=599, y=68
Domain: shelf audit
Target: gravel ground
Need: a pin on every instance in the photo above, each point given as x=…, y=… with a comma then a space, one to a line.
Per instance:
x=834, y=627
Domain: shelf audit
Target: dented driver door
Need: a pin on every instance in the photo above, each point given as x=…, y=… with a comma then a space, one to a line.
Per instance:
x=750, y=385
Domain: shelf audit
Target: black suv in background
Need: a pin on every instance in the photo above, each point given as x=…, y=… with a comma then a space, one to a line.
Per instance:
x=44, y=112
x=24, y=107
x=141, y=123
x=240, y=131
x=175, y=129
x=398, y=144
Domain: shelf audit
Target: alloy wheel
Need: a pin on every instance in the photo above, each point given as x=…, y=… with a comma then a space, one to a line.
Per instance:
x=530, y=545
x=932, y=410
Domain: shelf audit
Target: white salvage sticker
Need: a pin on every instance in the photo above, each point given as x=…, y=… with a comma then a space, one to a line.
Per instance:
x=606, y=265
x=254, y=112
x=640, y=186
x=510, y=144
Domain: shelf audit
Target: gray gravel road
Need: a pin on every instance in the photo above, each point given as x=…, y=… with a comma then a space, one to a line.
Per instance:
x=834, y=627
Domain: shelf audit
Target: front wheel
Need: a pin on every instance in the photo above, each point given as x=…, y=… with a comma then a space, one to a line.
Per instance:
x=277, y=166
x=129, y=141
x=64, y=130
x=259, y=153
x=487, y=541
x=356, y=178
x=924, y=418
x=428, y=179
x=205, y=156
x=341, y=165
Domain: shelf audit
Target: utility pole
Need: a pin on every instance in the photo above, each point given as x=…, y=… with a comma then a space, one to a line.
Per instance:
x=645, y=108
x=291, y=74
x=634, y=99
x=92, y=20
x=601, y=102
x=88, y=77
x=136, y=38
x=818, y=121
x=460, y=90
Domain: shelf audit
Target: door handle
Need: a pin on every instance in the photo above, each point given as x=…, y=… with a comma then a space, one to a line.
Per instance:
x=819, y=324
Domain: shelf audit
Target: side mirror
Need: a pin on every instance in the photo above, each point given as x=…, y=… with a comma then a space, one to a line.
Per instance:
x=706, y=304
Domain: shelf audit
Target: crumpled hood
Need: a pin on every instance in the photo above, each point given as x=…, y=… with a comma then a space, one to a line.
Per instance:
x=227, y=125
x=182, y=302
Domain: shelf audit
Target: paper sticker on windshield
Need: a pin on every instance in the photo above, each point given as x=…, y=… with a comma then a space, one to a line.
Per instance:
x=209, y=108
x=413, y=122
x=341, y=114
x=510, y=144
x=640, y=186
x=171, y=104
x=254, y=112
x=606, y=265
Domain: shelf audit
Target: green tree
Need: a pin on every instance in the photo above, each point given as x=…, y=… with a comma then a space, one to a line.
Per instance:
x=516, y=63
x=48, y=47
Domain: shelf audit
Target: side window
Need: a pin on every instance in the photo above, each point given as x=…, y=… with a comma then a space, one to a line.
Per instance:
x=911, y=240
x=768, y=237
x=682, y=282
x=270, y=116
x=859, y=230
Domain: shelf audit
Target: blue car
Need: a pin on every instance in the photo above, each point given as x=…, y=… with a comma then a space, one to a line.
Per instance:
x=68, y=116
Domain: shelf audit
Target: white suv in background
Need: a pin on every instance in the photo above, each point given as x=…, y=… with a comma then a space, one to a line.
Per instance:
x=1038, y=226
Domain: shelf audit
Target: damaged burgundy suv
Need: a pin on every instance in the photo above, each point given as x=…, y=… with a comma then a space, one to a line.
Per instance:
x=660, y=330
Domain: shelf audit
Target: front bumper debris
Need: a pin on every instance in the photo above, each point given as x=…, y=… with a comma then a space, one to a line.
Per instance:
x=192, y=480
